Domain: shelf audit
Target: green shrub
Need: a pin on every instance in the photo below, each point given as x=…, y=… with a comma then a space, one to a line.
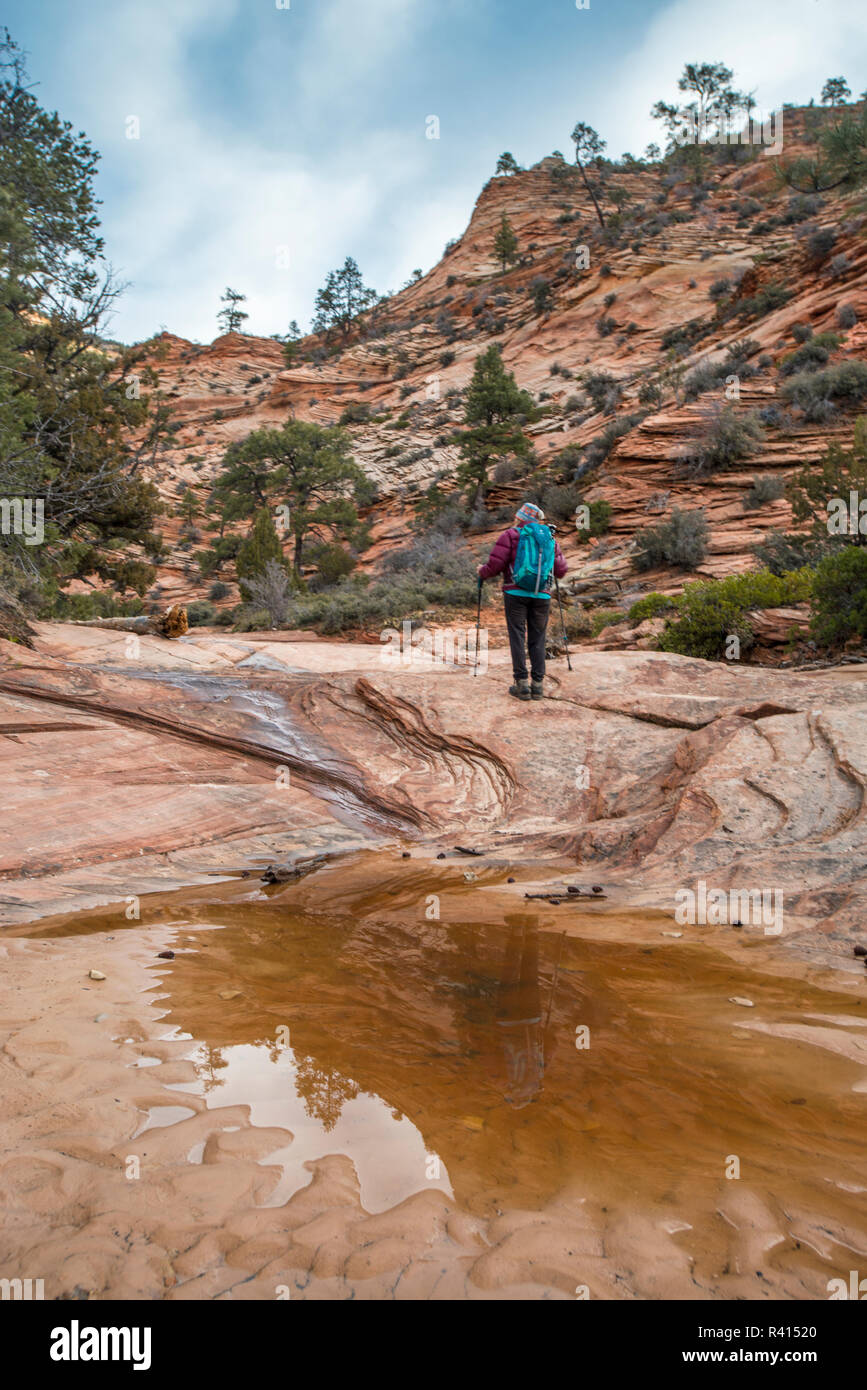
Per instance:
x=252, y=619
x=605, y=617
x=598, y=520
x=200, y=613
x=780, y=553
x=767, y=487
x=817, y=393
x=812, y=354
x=433, y=570
x=731, y=436
x=83, y=607
x=708, y=612
x=218, y=590
x=559, y=500
x=653, y=605
x=764, y=302
x=331, y=560
x=840, y=597
x=650, y=393
x=680, y=540
x=603, y=390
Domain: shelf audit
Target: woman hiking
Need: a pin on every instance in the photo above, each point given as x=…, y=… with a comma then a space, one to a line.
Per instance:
x=527, y=556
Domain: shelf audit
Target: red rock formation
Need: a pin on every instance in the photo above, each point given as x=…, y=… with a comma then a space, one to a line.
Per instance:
x=661, y=280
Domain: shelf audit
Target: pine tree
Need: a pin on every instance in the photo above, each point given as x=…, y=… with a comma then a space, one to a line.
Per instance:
x=508, y=164
x=303, y=465
x=494, y=412
x=72, y=431
x=506, y=243
x=342, y=298
x=261, y=545
x=588, y=146
x=231, y=318
x=290, y=343
x=835, y=91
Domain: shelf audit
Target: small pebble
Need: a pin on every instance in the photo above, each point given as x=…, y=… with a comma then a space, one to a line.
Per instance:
x=861, y=950
x=510, y=880
x=95, y=975
x=165, y=955
x=405, y=854
x=470, y=877
x=441, y=855
x=672, y=933
x=736, y=999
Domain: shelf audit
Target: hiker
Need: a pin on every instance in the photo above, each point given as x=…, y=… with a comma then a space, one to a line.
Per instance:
x=527, y=555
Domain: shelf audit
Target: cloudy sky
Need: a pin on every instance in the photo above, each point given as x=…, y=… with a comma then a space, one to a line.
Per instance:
x=276, y=137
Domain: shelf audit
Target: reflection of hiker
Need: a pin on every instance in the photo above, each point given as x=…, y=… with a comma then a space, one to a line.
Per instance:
x=527, y=555
x=518, y=1013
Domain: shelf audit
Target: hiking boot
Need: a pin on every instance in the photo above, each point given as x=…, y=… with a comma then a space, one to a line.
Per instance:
x=536, y=692
x=520, y=690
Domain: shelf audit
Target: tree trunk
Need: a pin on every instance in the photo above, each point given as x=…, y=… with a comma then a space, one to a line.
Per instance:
x=592, y=194
x=173, y=623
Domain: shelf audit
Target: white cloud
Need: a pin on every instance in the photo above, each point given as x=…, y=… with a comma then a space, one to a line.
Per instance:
x=782, y=49
x=297, y=145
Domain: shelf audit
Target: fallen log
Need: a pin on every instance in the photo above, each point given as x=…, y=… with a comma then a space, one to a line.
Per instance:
x=173, y=623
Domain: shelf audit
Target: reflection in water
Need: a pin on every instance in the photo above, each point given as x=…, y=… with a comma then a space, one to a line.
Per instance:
x=511, y=1014
x=496, y=1024
x=325, y=1113
x=442, y=1055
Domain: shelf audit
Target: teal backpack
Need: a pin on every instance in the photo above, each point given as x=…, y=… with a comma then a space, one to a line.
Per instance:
x=534, y=561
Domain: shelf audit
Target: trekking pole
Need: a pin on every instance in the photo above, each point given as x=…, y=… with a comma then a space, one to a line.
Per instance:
x=563, y=621
x=478, y=626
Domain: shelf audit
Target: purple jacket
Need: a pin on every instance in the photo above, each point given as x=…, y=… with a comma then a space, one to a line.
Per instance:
x=502, y=558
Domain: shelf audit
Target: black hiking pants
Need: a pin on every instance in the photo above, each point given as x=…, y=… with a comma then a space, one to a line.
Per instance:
x=527, y=619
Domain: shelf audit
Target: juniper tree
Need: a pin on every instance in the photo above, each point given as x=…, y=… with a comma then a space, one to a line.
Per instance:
x=506, y=243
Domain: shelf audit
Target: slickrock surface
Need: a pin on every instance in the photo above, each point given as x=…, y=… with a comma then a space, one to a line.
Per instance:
x=651, y=770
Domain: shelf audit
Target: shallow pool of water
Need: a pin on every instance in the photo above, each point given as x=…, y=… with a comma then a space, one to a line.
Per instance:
x=511, y=1065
